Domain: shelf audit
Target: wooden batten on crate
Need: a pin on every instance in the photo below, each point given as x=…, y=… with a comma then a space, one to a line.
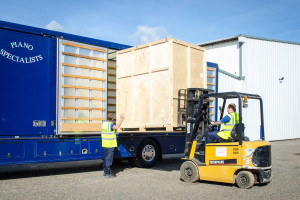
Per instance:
x=148, y=79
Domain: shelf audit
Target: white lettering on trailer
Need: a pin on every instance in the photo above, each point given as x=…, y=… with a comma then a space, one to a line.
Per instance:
x=20, y=59
x=21, y=45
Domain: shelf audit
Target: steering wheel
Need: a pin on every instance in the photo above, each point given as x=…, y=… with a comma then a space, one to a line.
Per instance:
x=210, y=127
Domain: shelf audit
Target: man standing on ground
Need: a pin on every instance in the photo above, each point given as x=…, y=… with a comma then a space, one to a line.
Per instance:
x=109, y=142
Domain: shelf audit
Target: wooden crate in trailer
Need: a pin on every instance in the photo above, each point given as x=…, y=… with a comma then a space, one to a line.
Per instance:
x=148, y=79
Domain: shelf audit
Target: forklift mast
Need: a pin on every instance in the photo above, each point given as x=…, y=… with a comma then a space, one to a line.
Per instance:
x=192, y=114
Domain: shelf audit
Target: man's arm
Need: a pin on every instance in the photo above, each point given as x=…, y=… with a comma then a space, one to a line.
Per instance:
x=120, y=122
x=216, y=123
x=226, y=119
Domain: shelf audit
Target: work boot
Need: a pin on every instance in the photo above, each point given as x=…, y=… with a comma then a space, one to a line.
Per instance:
x=110, y=175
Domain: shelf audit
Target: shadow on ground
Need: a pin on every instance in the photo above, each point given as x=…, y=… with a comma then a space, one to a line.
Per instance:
x=49, y=169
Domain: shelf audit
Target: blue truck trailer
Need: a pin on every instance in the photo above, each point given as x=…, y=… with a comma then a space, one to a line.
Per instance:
x=31, y=85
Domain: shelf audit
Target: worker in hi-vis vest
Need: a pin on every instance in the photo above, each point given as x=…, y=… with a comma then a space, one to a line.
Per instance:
x=228, y=123
x=109, y=142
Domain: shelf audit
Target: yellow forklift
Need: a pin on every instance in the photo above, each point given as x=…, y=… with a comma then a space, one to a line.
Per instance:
x=236, y=160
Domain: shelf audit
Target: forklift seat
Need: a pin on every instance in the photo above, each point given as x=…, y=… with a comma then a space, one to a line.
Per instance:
x=234, y=134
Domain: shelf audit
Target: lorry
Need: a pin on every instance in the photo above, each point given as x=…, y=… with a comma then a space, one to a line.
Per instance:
x=57, y=88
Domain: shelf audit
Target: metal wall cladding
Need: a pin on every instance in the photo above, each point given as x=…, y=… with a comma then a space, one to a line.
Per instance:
x=227, y=54
x=263, y=64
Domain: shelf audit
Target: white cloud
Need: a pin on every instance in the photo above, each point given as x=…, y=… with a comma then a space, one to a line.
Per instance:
x=53, y=25
x=145, y=34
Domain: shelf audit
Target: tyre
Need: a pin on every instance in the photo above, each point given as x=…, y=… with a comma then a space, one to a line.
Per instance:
x=245, y=179
x=189, y=172
x=147, y=154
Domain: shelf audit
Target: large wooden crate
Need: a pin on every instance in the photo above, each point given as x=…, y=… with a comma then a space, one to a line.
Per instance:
x=149, y=77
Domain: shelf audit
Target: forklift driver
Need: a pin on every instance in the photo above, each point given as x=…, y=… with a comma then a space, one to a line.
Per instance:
x=229, y=121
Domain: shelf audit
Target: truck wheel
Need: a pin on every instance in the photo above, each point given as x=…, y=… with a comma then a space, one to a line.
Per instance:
x=245, y=179
x=189, y=172
x=147, y=154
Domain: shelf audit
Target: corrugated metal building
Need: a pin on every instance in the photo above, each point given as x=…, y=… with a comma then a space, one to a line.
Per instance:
x=270, y=68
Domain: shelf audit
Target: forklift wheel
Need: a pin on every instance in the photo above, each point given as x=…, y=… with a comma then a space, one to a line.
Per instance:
x=245, y=179
x=189, y=172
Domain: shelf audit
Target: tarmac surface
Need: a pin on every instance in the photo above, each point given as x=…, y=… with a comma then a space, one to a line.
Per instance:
x=84, y=180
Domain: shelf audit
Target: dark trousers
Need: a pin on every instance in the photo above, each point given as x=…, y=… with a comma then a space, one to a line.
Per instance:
x=108, y=159
x=212, y=137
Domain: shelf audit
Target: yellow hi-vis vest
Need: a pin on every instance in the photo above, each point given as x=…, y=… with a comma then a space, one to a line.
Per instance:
x=227, y=128
x=109, y=138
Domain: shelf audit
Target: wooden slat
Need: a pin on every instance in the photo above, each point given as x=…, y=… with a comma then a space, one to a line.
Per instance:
x=211, y=69
x=111, y=97
x=84, y=67
x=209, y=76
x=211, y=84
x=84, y=47
x=111, y=89
x=111, y=111
x=111, y=104
x=82, y=56
x=88, y=98
x=111, y=74
x=84, y=127
x=212, y=106
x=82, y=87
x=83, y=77
x=212, y=99
x=110, y=67
x=211, y=113
x=81, y=118
x=81, y=108
x=113, y=82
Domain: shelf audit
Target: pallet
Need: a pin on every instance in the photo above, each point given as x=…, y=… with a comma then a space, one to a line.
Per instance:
x=151, y=129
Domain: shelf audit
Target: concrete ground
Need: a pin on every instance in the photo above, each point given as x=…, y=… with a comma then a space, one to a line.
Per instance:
x=84, y=180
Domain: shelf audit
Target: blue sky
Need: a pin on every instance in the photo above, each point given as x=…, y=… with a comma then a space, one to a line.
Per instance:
x=138, y=21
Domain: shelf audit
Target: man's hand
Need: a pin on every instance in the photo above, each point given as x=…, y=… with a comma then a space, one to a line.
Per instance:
x=212, y=122
x=122, y=116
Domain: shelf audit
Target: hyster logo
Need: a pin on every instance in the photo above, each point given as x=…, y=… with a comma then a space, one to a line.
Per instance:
x=21, y=59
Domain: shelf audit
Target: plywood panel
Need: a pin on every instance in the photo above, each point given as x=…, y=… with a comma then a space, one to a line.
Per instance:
x=161, y=56
x=125, y=64
x=180, y=75
x=141, y=100
x=124, y=100
x=161, y=98
x=197, y=70
x=141, y=60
